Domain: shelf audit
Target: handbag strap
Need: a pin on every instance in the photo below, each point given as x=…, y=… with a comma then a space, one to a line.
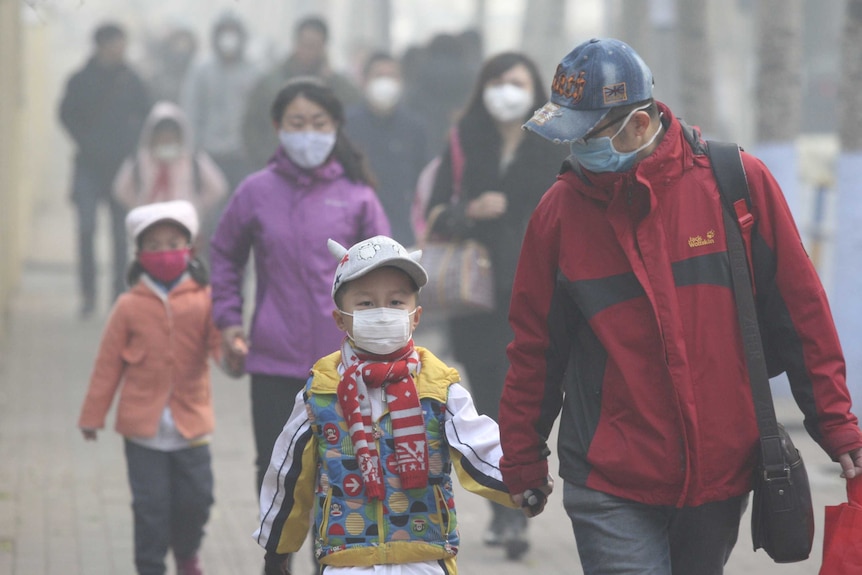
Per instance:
x=733, y=187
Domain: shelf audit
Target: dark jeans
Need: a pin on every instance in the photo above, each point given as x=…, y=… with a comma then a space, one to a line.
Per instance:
x=172, y=492
x=88, y=191
x=617, y=536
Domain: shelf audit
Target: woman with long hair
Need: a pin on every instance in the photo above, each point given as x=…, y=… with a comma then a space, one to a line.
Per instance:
x=505, y=173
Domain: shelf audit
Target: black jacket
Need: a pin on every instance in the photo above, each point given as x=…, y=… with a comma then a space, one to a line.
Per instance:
x=103, y=110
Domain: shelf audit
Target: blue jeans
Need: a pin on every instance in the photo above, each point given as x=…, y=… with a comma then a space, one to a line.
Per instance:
x=172, y=492
x=617, y=536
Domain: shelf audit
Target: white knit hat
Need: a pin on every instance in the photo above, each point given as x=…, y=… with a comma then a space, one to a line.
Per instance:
x=178, y=211
x=371, y=254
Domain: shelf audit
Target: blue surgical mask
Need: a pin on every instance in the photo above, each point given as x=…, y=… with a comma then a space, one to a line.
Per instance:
x=599, y=155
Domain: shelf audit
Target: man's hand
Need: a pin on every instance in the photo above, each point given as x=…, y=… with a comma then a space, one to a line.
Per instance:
x=533, y=501
x=851, y=464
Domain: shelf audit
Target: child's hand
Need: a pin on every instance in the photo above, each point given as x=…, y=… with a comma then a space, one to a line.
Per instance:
x=234, y=350
x=89, y=434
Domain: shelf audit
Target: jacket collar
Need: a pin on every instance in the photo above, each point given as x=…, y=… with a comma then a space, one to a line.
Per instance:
x=669, y=160
x=147, y=287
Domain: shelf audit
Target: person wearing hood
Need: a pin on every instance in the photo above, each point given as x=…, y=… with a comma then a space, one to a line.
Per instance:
x=167, y=167
x=103, y=108
x=214, y=97
x=314, y=188
x=308, y=58
x=392, y=138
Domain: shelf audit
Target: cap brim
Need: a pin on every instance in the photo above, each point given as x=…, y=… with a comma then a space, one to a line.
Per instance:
x=563, y=125
x=416, y=272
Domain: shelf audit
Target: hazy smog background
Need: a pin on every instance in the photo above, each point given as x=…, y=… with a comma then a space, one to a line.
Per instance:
x=783, y=78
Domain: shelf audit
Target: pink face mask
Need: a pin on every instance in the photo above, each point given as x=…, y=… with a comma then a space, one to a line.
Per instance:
x=165, y=266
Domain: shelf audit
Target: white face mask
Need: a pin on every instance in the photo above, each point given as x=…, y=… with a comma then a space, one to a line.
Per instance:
x=381, y=330
x=167, y=152
x=383, y=92
x=229, y=43
x=507, y=102
x=308, y=149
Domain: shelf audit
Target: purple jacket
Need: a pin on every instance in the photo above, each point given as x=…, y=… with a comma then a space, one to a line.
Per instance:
x=285, y=215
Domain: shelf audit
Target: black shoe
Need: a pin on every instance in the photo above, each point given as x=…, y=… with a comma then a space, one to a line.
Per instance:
x=515, y=541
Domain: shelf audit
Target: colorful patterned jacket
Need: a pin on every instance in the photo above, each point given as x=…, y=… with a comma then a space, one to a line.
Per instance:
x=313, y=467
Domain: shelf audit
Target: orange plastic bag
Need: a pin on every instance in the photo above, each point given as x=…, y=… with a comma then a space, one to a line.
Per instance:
x=842, y=534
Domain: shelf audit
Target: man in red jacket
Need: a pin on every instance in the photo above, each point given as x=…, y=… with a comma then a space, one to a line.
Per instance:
x=623, y=285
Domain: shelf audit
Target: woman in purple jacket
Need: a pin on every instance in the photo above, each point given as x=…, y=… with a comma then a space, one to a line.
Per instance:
x=314, y=188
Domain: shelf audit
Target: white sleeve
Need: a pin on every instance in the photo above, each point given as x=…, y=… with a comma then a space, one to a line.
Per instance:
x=284, y=474
x=476, y=437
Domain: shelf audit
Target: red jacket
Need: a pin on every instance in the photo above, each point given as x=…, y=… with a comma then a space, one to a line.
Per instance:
x=155, y=352
x=624, y=279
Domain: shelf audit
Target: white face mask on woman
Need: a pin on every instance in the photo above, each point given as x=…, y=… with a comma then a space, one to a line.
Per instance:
x=507, y=102
x=381, y=330
x=308, y=149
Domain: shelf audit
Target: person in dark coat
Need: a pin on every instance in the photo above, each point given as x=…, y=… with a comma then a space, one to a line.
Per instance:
x=103, y=109
x=308, y=58
x=506, y=172
x=392, y=140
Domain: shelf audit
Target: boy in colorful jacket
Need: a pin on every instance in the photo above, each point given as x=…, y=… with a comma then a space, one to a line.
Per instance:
x=371, y=446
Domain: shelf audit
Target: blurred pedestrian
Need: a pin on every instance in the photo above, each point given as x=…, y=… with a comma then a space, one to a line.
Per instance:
x=214, y=98
x=392, y=140
x=625, y=319
x=103, y=109
x=441, y=75
x=506, y=171
x=154, y=352
x=308, y=58
x=170, y=58
x=167, y=166
x=314, y=188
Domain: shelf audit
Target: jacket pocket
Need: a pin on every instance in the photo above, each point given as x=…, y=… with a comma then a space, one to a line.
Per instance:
x=134, y=354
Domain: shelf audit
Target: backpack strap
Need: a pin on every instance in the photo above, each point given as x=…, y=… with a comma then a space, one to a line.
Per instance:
x=733, y=187
x=196, y=174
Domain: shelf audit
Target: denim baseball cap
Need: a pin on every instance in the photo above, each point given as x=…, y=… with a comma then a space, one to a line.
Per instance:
x=597, y=76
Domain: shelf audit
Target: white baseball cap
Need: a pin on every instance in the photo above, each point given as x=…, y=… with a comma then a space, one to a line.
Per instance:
x=368, y=255
x=181, y=212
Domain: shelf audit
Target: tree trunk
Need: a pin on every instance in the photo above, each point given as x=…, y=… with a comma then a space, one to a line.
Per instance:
x=779, y=78
x=696, y=65
x=544, y=35
x=635, y=27
x=847, y=280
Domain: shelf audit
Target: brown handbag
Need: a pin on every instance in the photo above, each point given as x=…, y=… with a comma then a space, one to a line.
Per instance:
x=460, y=276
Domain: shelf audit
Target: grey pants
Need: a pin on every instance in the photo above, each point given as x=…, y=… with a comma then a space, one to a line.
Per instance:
x=616, y=536
x=172, y=492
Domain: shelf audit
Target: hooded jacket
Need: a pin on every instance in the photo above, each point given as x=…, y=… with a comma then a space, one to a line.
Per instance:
x=154, y=352
x=193, y=176
x=285, y=214
x=624, y=281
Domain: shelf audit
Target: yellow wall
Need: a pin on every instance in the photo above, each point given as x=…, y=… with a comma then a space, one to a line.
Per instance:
x=11, y=104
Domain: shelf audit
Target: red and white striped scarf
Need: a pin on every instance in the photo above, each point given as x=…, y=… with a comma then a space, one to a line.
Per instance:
x=393, y=372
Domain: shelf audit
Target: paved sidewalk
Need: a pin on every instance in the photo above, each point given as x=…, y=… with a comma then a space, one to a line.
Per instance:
x=65, y=504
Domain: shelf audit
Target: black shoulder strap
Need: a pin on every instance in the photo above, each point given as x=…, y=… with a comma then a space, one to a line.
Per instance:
x=730, y=175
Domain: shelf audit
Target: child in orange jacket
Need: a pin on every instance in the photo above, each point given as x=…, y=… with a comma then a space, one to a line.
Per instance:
x=154, y=351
